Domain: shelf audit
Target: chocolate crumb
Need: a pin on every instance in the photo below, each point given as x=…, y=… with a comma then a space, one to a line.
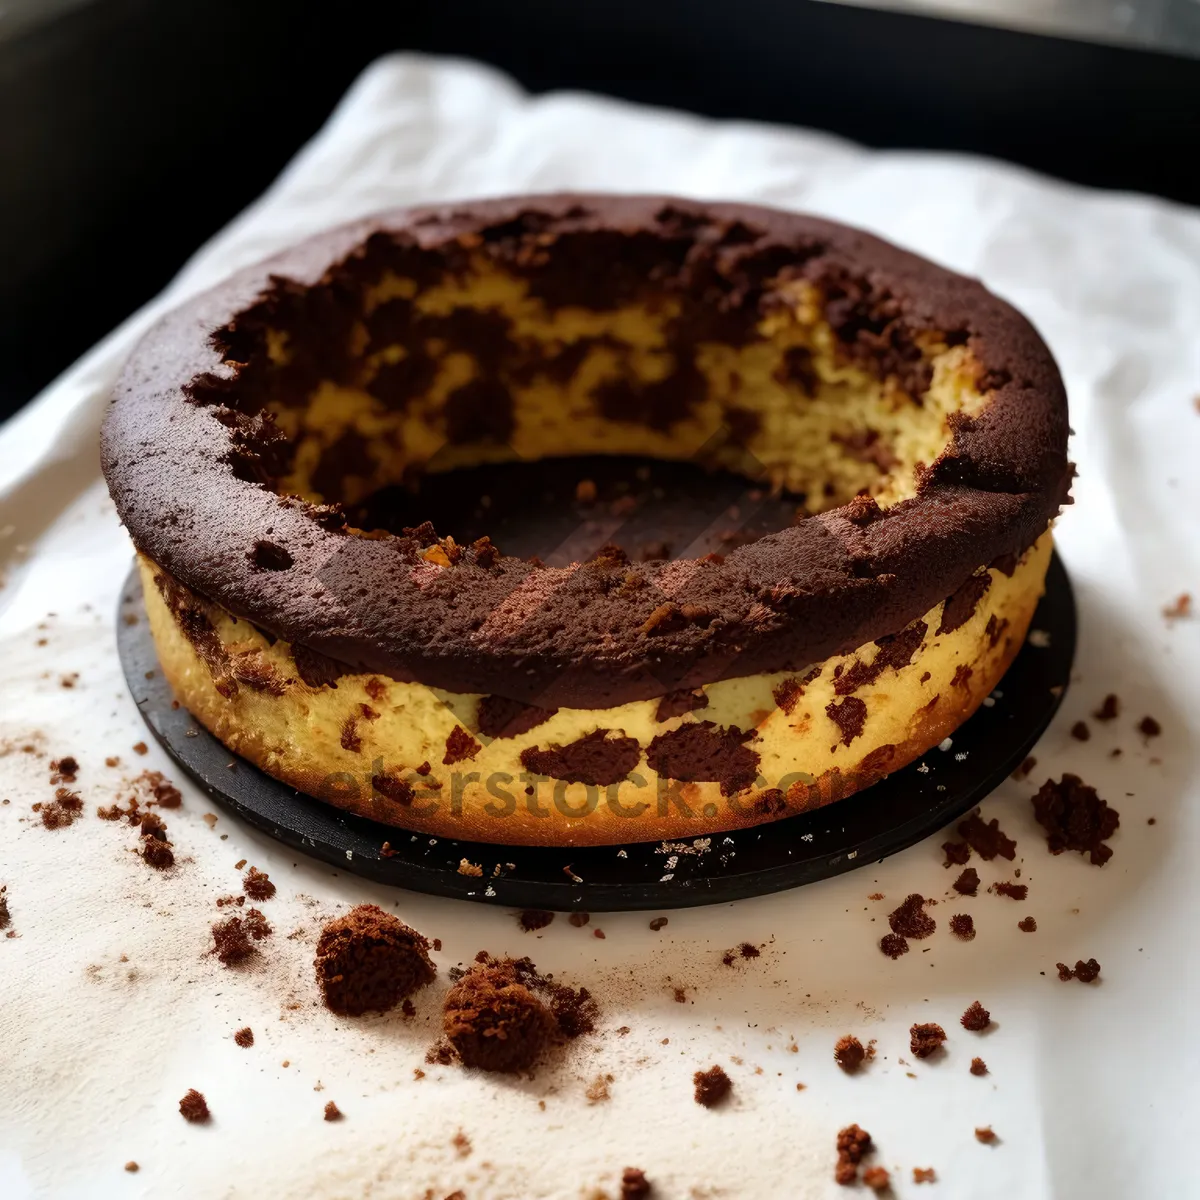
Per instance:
x=533, y=919
x=967, y=884
x=1076, y=818
x=579, y=919
x=1025, y=769
x=460, y=746
x=1014, y=891
x=849, y=1054
x=493, y=1020
x=924, y=1175
x=957, y=853
x=893, y=945
x=987, y=839
x=985, y=1134
x=5, y=915
x=194, y=1107
x=132, y=1167
x=926, y=1039
x=257, y=885
x=369, y=960
x=1085, y=972
x=1109, y=710
x=976, y=1018
x=332, y=1112
x=233, y=938
x=910, y=920
x=244, y=1037
x=1027, y=925
x=1180, y=608
x=978, y=1067
x=712, y=1086
x=141, y=748
x=962, y=925
x=1148, y=727
x=1080, y=732
x=853, y=1145
x=157, y=853
x=634, y=1184
x=658, y=923
x=877, y=1179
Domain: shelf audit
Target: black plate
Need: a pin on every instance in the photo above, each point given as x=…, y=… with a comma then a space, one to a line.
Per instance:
x=890, y=816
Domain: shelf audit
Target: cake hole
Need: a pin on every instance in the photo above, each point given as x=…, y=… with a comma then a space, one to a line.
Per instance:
x=268, y=556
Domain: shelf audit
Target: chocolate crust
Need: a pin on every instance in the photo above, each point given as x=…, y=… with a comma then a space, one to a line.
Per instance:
x=565, y=636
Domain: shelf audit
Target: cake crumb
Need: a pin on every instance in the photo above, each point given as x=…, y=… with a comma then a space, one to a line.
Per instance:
x=985, y=1134
x=1109, y=710
x=533, y=919
x=1025, y=769
x=1085, y=972
x=1027, y=925
x=962, y=925
x=976, y=1018
x=849, y=1054
x=987, y=839
x=332, y=1112
x=634, y=1184
x=877, y=1179
x=493, y=1019
x=233, y=938
x=926, y=1039
x=194, y=1107
x=140, y=748
x=244, y=1037
x=853, y=1145
x=132, y=1167
x=910, y=920
x=1180, y=608
x=712, y=1086
x=957, y=853
x=893, y=945
x=1075, y=817
x=1080, y=732
x=967, y=884
x=1014, y=891
x=580, y=919
x=658, y=923
x=1148, y=727
x=924, y=1175
x=257, y=885
x=978, y=1067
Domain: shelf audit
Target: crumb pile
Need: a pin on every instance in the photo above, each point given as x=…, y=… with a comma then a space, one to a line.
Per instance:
x=368, y=961
x=1076, y=818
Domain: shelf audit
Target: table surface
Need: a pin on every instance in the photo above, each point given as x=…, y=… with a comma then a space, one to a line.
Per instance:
x=111, y=1006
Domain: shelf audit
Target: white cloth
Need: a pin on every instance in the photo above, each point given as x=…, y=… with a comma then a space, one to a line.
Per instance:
x=1092, y=1091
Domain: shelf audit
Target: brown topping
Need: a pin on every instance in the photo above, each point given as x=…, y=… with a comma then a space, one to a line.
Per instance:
x=244, y=1037
x=849, y=1054
x=1085, y=972
x=987, y=840
x=675, y=704
x=976, y=1018
x=533, y=919
x=500, y=717
x=985, y=1135
x=957, y=853
x=967, y=884
x=877, y=1179
x=1075, y=818
x=962, y=676
x=911, y=920
x=460, y=746
x=1148, y=727
x=701, y=751
x=978, y=1067
x=926, y=1039
x=850, y=715
x=634, y=1184
x=787, y=693
x=257, y=885
x=1014, y=891
x=712, y=1086
x=1109, y=710
x=194, y=1107
x=494, y=1021
x=369, y=960
x=399, y=791
x=960, y=607
x=853, y=1145
x=962, y=925
x=893, y=945
x=234, y=938
x=1027, y=925
x=1080, y=732
x=594, y=759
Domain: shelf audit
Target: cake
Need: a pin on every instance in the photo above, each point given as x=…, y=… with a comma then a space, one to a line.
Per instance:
x=449, y=688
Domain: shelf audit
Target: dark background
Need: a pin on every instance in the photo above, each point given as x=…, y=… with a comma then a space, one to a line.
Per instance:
x=134, y=129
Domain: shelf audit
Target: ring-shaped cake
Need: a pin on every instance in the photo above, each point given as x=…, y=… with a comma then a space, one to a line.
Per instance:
x=450, y=689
